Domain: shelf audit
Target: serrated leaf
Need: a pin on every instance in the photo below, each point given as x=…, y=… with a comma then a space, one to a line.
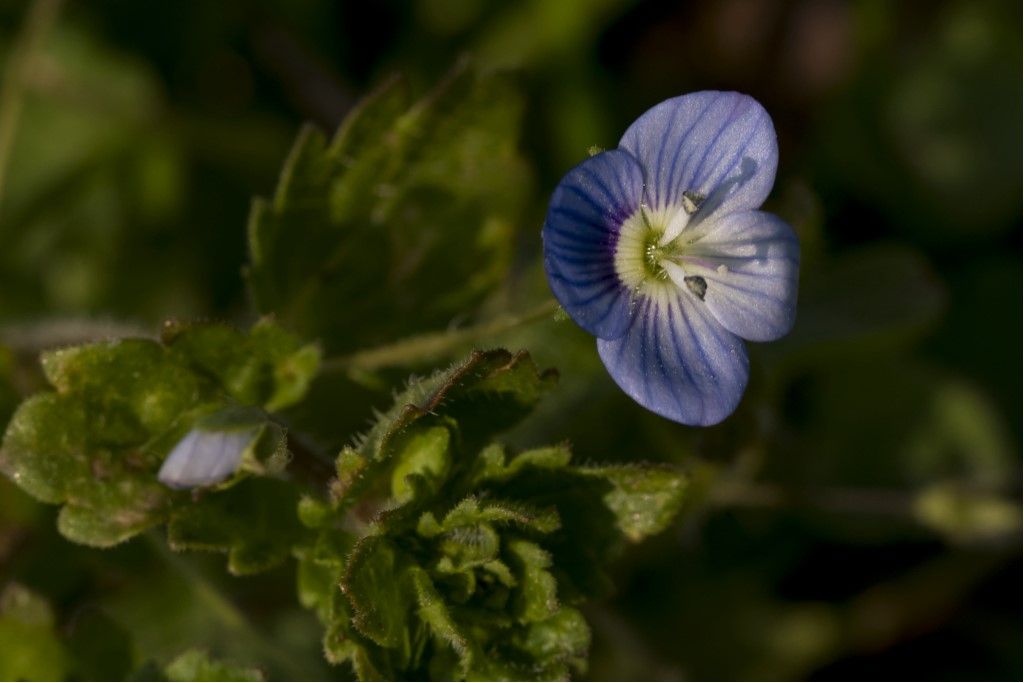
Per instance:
x=96, y=442
x=366, y=226
x=197, y=665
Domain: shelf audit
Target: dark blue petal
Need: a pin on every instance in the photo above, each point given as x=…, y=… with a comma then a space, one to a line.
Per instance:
x=580, y=232
x=676, y=360
x=751, y=263
x=204, y=458
x=719, y=144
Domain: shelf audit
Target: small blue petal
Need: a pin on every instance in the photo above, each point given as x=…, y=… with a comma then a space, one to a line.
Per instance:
x=751, y=264
x=676, y=360
x=718, y=144
x=204, y=458
x=580, y=232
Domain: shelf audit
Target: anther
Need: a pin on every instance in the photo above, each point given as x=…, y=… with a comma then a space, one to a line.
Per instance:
x=692, y=201
x=697, y=285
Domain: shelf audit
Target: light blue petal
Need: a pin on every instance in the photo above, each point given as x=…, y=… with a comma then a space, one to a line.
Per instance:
x=676, y=360
x=204, y=458
x=580, y=232
x=751, y=264
x=718, y=144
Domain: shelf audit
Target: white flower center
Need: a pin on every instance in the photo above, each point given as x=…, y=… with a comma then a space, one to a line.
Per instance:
x=650, y=257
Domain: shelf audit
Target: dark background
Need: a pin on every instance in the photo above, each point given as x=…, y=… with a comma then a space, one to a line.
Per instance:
x=862, y=517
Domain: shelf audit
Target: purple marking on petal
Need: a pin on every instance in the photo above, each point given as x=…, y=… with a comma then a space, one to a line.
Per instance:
x=751, y=262
x=204, y=458
x=720, y=144
x=580, y=232
x=676, y=360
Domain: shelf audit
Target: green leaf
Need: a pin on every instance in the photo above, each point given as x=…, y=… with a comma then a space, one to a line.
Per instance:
x=196, y=665
x=483, y=396
x=368, y=226
x=644, y=499
x=266, y=367
x=376, y=584
x=254, y=523
x=30, y=648
x=95, y=443
x=470, y=560
x=537, y=596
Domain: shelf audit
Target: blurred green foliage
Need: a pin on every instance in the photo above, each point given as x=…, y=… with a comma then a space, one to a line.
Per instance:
x=859, y=516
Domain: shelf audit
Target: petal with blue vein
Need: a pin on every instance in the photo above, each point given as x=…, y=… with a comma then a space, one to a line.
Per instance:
x=720, y=145
x=204, y=458
x=676, y=360
x=750, y=262
x=580, y=233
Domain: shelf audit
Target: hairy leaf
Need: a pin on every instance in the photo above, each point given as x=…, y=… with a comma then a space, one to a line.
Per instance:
x=95, y=442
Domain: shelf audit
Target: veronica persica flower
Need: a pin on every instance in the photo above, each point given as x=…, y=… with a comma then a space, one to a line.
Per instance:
x=657, y=249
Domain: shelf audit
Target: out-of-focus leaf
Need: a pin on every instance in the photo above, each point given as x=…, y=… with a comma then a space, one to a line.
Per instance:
x=644, y=499
x=100, y=648
x=30, y=648
x=197, y=665
x=965, y=516
x=365, y=226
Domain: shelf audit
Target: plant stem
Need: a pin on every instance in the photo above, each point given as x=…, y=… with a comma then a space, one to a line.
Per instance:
x=39, y=19
x=435, y=344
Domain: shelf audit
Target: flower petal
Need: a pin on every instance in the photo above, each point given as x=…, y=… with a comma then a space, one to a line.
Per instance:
x=750, y=262
x=676, y=360
x=580, y=232
x=204, y=458
x=718, y=144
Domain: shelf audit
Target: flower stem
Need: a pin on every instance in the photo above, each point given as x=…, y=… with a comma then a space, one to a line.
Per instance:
x=432, y=345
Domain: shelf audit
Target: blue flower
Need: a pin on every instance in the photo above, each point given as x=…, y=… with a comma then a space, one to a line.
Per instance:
x=657, y=249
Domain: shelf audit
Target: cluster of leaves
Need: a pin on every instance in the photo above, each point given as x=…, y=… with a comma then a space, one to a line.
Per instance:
x=440, y=554
x=361, y=227
x=95, y=442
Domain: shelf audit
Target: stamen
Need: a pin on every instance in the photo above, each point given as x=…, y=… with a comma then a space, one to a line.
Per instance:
x=674, y=228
